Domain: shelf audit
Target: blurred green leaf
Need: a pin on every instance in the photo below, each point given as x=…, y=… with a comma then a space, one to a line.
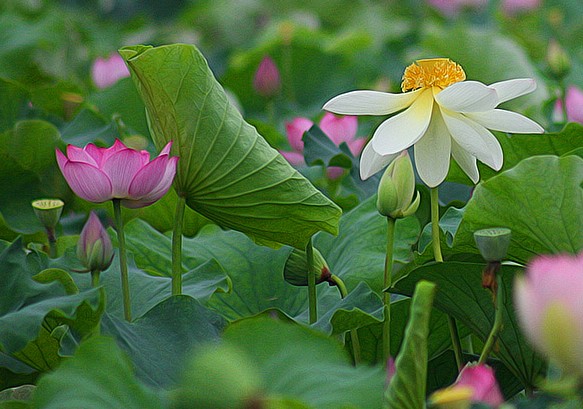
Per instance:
x=12, y=97
x=98, y=376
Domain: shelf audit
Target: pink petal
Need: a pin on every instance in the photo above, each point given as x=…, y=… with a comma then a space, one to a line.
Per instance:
x=357, y=145
x=294, y=158
x=87, y=181
x=574, y=102
x=481, y=379
x=121, y=167
x=160, y=190
x=295, y=130
x=339, y=128
x=77, y=154
x=61, y=160
x=166, y=149
x=106, y=72
x=95, y=152
x=334, y=172
x=148, y=177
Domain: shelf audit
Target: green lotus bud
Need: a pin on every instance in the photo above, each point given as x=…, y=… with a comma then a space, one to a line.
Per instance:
x=558, y=60
x=219, y=377
x=396, y=189
x=48, y=212
x=493, y=243
x=295, y=271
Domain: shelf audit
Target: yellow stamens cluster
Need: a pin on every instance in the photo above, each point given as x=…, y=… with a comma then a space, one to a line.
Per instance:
x=434, y=72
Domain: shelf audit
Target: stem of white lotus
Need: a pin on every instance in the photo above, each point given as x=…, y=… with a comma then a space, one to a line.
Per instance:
x=177, y=246
x=386, y=295
x=435, y=225
x=312, y=297
x=123, y=262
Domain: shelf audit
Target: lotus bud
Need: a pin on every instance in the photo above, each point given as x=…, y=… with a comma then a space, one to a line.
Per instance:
x=558, y=60
x=94, y=248
x=219, y=377
x=267, y=81
x=493, y=243
x=458, y=397
x=48, y=212
x=296, y=268
x=396, y=189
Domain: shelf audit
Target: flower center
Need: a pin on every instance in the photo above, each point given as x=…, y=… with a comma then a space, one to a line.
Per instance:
x=433, y=72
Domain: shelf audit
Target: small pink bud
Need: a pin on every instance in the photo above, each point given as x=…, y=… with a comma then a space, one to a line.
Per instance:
x=107, y=71
x=94, y=248
x=574, y=105
x=267, y=81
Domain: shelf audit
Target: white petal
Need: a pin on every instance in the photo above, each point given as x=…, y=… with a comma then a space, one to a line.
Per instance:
x=432, y=152
x=402, y=130
x=370, y=102
x=371, y=162
x=468, y=96
x=466, y=161
x=511, y=89
x=474, y=138
x=505, y=121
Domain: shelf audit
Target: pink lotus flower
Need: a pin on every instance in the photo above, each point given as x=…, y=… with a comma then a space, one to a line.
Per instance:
x=549, y=303
x=480, y=378
x=338, y=128
x=574, y=103
x=106, y=72
x=102, y=174
x=267, y=81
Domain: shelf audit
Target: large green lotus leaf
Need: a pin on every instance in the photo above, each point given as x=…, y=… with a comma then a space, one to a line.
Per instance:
x=297, y=362
x=460, y=294
x=227, y=171
x=358, y=252
x=406, y=389
x=521, y=146
x=159, y=341
x=33, y=315
x=28, y=171
x=540, y=200
x=99, y=376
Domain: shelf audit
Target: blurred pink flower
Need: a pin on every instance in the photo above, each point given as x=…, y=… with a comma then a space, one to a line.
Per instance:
x=549, y=303
x=267, y=81
x=483, y=383
x=338, y=128
x=106, y=72
x=101, y=174
x=452, y=7
x=94, y=248
x=574, y=102
x=517, y=6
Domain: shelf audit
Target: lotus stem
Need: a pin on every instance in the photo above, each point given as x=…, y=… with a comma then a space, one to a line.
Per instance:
x=386, y=295
x=123, y=262
x=95, y=278
x=497, y=327
x=337, y=281
x=312, y=297
x=177, y=246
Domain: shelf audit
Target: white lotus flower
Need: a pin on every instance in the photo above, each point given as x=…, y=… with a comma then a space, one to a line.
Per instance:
x=444, y=116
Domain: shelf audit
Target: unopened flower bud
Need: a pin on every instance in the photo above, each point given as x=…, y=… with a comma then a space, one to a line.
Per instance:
x=493, y=243
x=296, y=268
x=48, y=212
x=558, y=60
x=94, y=247
x=267, y=81
x=396, y=189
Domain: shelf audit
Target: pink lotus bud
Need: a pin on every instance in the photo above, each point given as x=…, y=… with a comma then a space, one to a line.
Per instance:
x=106, y=72
x=549, y=305
x=94, y=248
x=102, y=174
x=480, y=378
x=295, y=130
x=267, y=82
x=574, y=102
